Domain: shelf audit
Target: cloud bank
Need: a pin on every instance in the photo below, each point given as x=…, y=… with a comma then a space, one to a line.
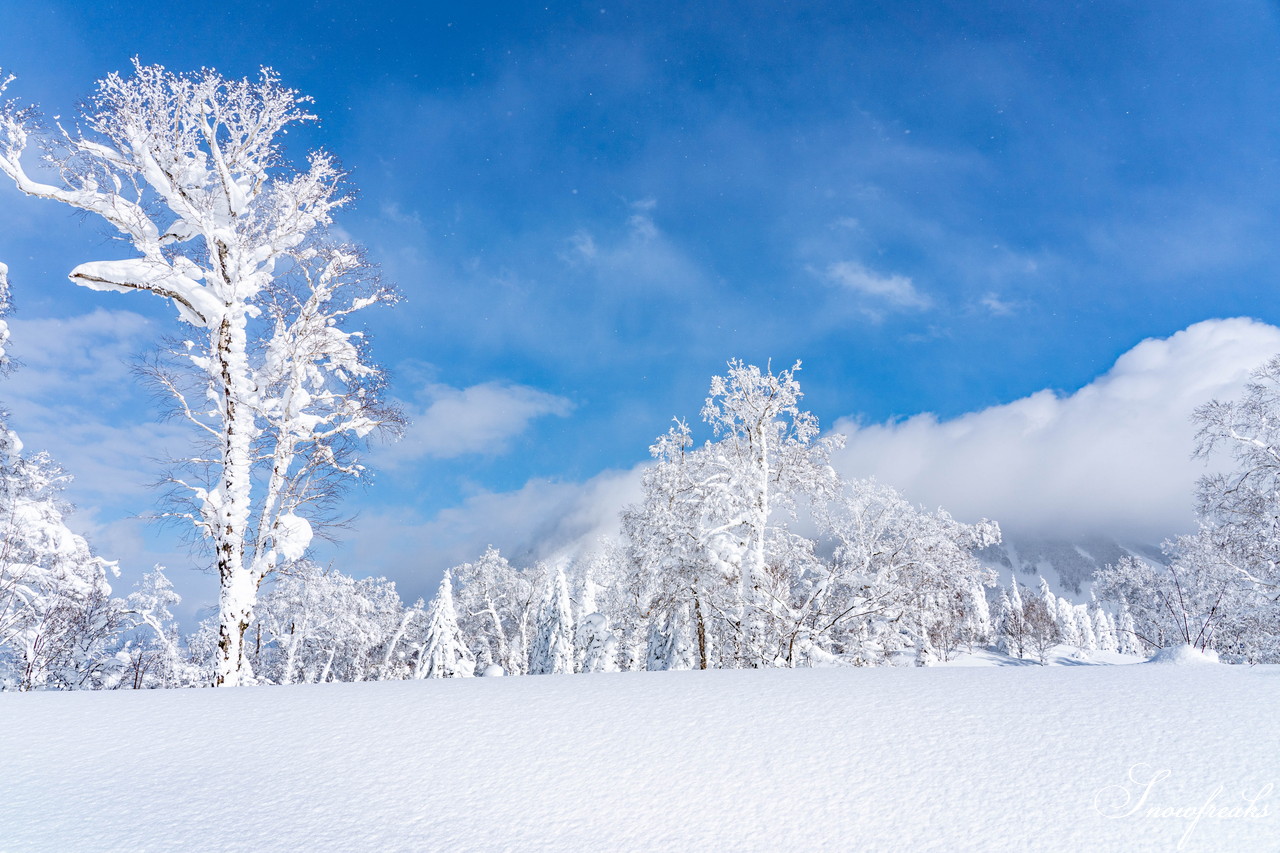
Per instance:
x=1112, y=457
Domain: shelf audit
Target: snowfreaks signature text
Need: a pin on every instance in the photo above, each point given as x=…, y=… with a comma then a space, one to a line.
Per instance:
x=1138, y=800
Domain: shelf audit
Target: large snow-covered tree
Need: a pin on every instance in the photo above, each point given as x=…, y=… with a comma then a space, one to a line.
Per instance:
x=768, y=458
x=189, y=170
x=711, y=534
x=713, y=565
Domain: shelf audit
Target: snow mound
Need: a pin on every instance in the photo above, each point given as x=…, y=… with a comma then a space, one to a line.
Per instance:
x=1184, y=656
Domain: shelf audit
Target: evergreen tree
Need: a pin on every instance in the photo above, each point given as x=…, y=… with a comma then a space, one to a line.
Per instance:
x=1103, y=630
x=553, y=647
x=1127, y=634
x=445, y=653
x=597, y=646
x=1067, y=624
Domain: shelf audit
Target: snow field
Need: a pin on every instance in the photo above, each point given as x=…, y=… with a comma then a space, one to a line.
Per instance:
x=999, y=758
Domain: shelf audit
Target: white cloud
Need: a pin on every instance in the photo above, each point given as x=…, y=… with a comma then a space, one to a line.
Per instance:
x=544, y=519
x=1112, y=457
x=995, y=305
x=891, y=291
x=480, y=419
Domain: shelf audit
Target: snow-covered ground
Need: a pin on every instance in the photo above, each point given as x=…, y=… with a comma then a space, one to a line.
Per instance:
x=999, y=758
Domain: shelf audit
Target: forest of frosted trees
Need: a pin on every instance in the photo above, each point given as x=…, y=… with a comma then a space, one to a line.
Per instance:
x=746, y=550
x=710, y=572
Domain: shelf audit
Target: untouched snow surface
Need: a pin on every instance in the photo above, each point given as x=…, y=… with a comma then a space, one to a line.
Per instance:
x=998, y=758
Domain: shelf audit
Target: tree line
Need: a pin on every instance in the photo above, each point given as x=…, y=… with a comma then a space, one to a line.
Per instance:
x=745, y=551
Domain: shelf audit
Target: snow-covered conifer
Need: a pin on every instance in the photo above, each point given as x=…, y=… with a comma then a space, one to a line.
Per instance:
x=1104, y=630
x=1127, y=638
x=671, y=647
x=597, y=645
x=1084, y=628
x=1068, y=625
x=1004, y=615
x=553, y=647
x=445, y=653
x=1050, y=600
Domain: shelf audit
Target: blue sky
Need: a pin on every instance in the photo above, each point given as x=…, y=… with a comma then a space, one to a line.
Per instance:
x=589, y=208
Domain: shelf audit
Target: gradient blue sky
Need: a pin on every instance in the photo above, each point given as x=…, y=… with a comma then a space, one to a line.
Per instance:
x=590, y=207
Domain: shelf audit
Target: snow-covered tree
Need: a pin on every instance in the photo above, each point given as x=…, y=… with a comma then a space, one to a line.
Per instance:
x=900, y=578
x=624, y=594
x=553, y=646
x=316, y=624
x=1084, y=628
x=597, y=645
x=58, y=622
x=670, y=645
x=710, y=544
x=1104, y=630
x=189, y=170
x=497, y=608
x=1042, y=626
x=711, y=556
x=768, y=457
x=154, y=646
x=1013, y=621
x=1127, y=640
x=1238, y=508
x=1068, y=625
x=1198, y=599
x=672, y=575
x=444, y=653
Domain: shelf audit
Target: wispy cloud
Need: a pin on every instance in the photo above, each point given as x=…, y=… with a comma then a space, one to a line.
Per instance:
x=881, y=291
x=544, y=519
x=996, y=306
x=641, y=258
x=480, y=419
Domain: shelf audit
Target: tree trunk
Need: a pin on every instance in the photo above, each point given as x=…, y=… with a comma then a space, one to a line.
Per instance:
x=238, y=588
x=702, y=631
